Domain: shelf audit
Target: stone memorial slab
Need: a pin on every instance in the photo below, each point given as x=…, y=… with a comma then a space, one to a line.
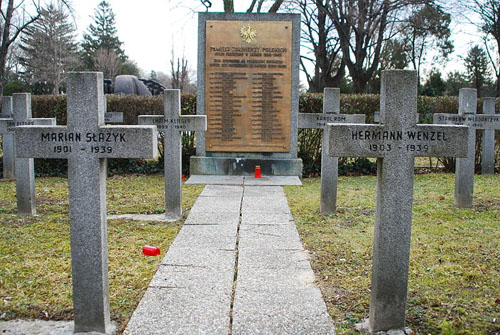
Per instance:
x=395, y=144
x=19, y=107
x=488, y=143
x=86, y=143
x=248, y=84
x=464, y=167
x=329, y=165
x=7, y=140
x=170, y=128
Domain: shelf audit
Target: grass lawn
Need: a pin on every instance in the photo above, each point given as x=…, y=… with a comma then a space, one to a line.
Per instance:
x=454, y=280
x=455, y=262
x=35, y=260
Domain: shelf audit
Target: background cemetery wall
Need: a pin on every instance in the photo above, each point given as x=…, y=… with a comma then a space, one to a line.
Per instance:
x=309, y=146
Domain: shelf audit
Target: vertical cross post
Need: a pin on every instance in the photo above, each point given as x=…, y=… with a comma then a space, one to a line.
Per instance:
x=395, y=144
x=8, y=142
x=464, y=167
x=24, y=167
x=329, y=165
x=488, y=143
x=86, y=142
x=170, y=128
x=464, y=170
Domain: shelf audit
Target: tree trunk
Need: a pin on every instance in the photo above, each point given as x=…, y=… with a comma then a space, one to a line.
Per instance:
x=228, y=6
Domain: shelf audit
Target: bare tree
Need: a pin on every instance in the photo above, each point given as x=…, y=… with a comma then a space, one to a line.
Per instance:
x=179, y=72
x=489, y=14
x=363, y=26
x=229, y=5
x=320, y=38
x=14, y=19
x=108, y=62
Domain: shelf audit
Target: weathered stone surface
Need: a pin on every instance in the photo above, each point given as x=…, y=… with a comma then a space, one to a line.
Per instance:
x=214, y=180
x=7, y=140
x=165, y=311
x=113, y=117
x=266, y=205
x=269, y=237
x=274, y=292
x=222, y=191
x=266, y=218
x=329, y=165
x=170, y=126
x=220, y=259
x=488, y=142
x=209, y=205
x=395, y=144
x=210, y=218
x=464, y=167
x=273, y=258
x=280, y=311
x=24, y=167
x=86, y=142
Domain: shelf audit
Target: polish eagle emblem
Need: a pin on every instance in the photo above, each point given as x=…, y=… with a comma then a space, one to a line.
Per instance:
x=248, y=34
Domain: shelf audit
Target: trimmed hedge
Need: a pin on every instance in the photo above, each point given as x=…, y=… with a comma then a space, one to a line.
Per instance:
x=309, y=146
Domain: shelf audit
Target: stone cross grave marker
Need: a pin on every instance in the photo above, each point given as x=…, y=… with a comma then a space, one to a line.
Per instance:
x=7, y=140
x=86, y=143
x=24, y=170
x=464, y=167
x=394, y=144
x=488, y=143
x=329, y=165
x=170, y=128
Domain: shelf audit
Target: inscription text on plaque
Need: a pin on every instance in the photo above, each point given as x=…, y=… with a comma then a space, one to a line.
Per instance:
x=248, y=85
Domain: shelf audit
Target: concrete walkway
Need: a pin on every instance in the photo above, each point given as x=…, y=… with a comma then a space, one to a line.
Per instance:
x=236, y=267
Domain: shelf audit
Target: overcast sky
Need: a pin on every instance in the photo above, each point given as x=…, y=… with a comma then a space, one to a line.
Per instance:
x=150, y=29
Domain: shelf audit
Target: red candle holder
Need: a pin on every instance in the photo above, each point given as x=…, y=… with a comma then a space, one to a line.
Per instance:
x=150, y=251
x=257, y=171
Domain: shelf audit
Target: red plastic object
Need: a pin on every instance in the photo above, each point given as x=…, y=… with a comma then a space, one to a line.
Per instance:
x=183, y=177
x=150, y=251
x=257, y=171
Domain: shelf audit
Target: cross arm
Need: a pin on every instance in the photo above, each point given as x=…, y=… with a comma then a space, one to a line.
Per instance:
x=182, y=123
x=320, y=120
x=102, y=142
x=355, y=140
x=351, y=140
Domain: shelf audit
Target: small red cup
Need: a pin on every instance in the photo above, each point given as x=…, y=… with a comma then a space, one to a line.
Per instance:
x=150, y=251
x=257, y=171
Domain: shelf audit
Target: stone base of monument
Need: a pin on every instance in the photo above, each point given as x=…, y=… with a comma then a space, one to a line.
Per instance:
x=42, y=327
x=364, y=327
x=239, y=166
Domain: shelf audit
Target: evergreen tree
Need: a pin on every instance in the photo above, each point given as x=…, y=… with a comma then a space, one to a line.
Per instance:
x=101, y=36
x=48, y=50
x=476, y=64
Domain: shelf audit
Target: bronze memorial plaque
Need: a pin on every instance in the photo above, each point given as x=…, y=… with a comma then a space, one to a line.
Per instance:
x=248, y=85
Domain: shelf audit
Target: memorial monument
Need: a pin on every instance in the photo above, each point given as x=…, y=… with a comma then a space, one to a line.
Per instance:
x=248, y=87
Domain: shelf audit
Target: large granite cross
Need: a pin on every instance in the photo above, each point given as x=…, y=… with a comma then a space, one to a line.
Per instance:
x=86, y=143
x=395, y=144
x=24, y=169
x=170, y=128
x=464, y=167
x=329, y=165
